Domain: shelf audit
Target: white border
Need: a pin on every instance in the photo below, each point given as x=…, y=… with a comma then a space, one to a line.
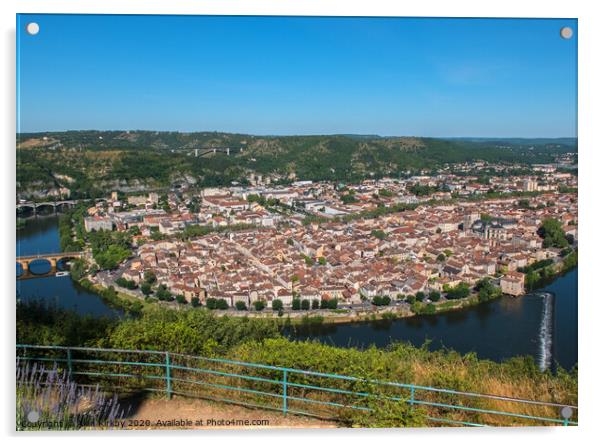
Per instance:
x=590, y=75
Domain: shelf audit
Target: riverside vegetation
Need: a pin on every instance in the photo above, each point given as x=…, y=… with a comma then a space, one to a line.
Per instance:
x=202, y=333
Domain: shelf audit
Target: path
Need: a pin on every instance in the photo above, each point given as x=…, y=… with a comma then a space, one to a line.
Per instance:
x=151, y=411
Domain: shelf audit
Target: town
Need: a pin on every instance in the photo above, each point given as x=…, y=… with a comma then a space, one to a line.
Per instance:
x=323, y=245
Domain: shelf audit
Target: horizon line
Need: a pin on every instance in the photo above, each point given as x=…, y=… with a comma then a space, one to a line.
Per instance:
x=294, y=134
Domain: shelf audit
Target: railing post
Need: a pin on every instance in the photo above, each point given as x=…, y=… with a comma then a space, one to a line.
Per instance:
x=69, y=363
x=412, y=391
x=168, y=375
x=284, y=391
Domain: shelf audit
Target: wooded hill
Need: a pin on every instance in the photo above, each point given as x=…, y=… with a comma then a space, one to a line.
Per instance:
x=93, y=162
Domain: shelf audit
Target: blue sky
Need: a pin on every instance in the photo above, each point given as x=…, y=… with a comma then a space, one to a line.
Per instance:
x=298, y=75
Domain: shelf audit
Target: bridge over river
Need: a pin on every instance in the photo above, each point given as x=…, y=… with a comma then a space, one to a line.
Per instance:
x=52, y=258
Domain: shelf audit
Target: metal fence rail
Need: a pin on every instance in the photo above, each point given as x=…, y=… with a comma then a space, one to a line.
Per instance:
x=288, y=390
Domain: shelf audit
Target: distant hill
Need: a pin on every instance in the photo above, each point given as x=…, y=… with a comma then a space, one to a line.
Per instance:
x=91, y=162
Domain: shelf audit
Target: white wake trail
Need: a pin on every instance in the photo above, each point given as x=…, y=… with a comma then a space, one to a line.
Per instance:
x=545, y=331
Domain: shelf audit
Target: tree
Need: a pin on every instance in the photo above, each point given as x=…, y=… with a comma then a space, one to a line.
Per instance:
x=524, y=204
x=181, y=300
x=411, y=299
x=381, y=300
x=420, y=296
x=487, y=291
x=78, y=269
x=146, y=289
x=552, y=234
x=163, y=293
x=305, y=305
x=277, y=305
x=462, y=290
x=240, y=306
x=434, y=296
x=222, y=304
x=296, y=304
x=379, y=234
x=259, y=305
x=195, y=302
x=315, y=304
x=150, y=277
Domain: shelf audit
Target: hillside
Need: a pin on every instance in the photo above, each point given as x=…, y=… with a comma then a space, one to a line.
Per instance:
x=90, y=163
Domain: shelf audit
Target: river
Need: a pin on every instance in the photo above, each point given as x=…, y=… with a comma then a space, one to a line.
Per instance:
x=542, y=324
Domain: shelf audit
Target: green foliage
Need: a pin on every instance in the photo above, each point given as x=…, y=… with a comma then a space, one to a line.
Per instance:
x=147, y=157
x=569, y=261
x=329, y=304
x=195, y=302
x=277, y=305
x=109, y=249
x=146, y=289
x=462, y=290
x=259, y=305
x=240, y=306
x=487, y=291
x=191, y=332
x=381, y=235
x=296, y=304
x=128, y=284
x=381, y=300
x=308, y=260
x=150, y=277
x=422, y=190
x=552, y=234
x=163, y=294
x=41, y=323
x=420, y=296
x=434, y=296
x=181, y=300
x=384, y=413
x=536, y=265
x=216, y=303
x=78, y=269
x=305, y=305
x=348, y=198
x=315, y=304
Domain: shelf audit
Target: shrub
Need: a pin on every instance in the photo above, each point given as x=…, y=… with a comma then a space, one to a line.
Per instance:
x=277, y=305
x=434, y=296
x=305, y=305
x=296, y=304
x=240, y=306
x=259, y=305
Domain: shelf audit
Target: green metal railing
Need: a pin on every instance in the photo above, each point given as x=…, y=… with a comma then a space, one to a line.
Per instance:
x=289, y=390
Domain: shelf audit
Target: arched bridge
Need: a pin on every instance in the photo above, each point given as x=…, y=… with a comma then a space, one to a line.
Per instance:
x=52, y=258
x=54, y=204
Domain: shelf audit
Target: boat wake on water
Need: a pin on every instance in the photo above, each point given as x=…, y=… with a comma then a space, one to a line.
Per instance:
x=546, y=330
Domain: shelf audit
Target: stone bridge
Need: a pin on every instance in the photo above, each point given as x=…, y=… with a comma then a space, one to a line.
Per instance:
x=52, y=258
x=54, y=204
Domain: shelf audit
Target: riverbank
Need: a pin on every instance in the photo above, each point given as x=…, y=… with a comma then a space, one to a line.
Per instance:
x=132, y=303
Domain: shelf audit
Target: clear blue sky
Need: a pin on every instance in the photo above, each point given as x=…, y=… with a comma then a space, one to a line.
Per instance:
x=296, y=75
